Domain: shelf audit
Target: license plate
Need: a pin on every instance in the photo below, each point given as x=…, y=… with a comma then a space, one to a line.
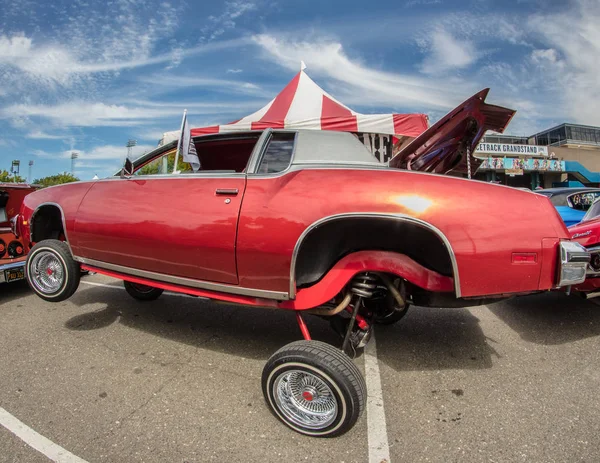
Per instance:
x=14, y=274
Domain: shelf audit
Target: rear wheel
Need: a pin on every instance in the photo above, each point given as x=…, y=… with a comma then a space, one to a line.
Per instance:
x=142, y=292
x=314, y=388
x=385, y=308
x=51, y=271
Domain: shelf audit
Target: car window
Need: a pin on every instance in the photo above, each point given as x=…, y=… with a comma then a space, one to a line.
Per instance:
x=163, y=165
x=278, y=154
x=583, y=201
x=593, y=212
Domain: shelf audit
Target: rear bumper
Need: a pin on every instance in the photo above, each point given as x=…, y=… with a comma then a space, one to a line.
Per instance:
x=573, y=263
x=12, y=265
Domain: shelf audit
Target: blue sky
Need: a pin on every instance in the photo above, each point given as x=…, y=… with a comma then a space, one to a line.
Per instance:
x=87, y=76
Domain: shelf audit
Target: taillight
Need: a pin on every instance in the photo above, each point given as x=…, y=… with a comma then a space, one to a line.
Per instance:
x=595, y=262
x=14, y=225
x=2, y=248
x=15, y=249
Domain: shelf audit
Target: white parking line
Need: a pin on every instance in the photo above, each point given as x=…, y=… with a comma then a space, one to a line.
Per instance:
x=379, y=450
x=104, y=285
x=43, y=445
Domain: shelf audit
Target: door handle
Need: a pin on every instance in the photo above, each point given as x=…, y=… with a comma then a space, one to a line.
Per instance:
x=227, y=191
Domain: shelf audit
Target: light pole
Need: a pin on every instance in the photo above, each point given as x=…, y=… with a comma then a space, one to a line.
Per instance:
x=130, y=144
x=29, y=177
x=74, y=155
x=14, y=168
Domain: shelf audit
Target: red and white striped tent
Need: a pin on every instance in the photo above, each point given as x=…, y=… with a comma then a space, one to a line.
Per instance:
x=302, y=104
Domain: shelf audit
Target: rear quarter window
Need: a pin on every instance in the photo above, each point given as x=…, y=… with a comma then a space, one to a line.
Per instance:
x=278, y=155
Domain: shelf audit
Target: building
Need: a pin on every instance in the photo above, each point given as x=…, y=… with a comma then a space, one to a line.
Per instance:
x=568, y=154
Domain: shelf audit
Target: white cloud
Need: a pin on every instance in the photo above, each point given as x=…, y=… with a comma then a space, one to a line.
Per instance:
x=106, y=152
x=38, y=134
x=361, y=83
x=220, y=24
x=411, y=3
x=55, y=65
x=571, y=61
x=43, y=154
x=167, y=82
x=139, y=112
x=447, y=53
x=234, y=71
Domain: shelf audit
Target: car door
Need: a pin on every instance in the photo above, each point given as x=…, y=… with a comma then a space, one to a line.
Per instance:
x=181, y=225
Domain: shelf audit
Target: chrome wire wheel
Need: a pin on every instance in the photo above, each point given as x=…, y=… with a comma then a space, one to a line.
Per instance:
x=305, y=399
x=314, y=388
x=47, y=272
x=51, y=271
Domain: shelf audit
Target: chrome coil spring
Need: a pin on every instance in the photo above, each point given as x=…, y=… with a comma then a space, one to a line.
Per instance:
x=364, y=285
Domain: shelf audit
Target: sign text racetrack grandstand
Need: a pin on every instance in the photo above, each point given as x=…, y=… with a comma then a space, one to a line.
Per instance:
x=508, y=149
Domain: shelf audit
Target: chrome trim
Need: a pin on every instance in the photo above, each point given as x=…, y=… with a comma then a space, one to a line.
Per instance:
x=227, y=191
x=351, y=215
x=258, y=150
x=62, y=215
x=202, y=174
x=591, y=271
x=573, y=256
x=260, y=156
x=223, y=288
x=11, y=265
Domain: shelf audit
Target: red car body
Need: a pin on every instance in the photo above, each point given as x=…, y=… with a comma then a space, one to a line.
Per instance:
x=12, y=248
x=308, y=221
x=244, y=236
x=587, y=233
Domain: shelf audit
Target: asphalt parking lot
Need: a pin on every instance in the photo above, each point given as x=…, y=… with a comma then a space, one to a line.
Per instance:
x=112, y=379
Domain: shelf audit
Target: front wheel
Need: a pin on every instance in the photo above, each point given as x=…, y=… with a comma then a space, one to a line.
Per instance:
x=314, y=388
x=51, y=271
x=142, y=292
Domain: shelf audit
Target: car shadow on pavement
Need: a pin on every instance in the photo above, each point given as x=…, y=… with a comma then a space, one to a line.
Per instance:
x=435, y=339
x=10, y=292
x=254, y=333
x=550, y=318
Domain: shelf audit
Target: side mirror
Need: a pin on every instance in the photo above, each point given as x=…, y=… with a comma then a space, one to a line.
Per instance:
x=127, y=170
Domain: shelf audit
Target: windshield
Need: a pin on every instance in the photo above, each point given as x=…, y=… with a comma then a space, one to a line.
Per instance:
x=593, y=212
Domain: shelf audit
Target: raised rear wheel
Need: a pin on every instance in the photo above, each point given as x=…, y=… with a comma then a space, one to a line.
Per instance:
x=51, y=271
x=314, y=388
x=142, y=292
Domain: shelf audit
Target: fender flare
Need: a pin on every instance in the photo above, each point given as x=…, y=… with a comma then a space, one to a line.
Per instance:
x=389, y=216
x=62, y=218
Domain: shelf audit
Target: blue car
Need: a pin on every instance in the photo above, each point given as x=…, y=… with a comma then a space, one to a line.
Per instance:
x=571, y=203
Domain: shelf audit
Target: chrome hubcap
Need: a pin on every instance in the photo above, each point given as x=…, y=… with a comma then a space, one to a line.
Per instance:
x=305, y=399
x=46, y=272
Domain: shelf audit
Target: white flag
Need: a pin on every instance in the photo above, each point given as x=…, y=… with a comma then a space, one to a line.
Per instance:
x=187, y=145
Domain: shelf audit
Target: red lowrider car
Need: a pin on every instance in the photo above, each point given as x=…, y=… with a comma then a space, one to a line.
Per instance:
x=587, y=233
x=310, y=222
x=12, y=250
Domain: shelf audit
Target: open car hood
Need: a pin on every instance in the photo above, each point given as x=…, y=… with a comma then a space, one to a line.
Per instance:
x=443, y=147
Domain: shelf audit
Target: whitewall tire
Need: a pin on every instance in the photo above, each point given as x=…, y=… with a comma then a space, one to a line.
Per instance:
x=51, y=271
x=314, y=388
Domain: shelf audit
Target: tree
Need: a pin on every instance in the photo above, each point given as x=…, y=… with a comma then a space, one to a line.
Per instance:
x=7, y=177
x=57, y=179
x=159, y=166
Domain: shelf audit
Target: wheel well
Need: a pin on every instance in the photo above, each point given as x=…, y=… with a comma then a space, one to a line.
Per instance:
x=46, y=223
x=327, y=243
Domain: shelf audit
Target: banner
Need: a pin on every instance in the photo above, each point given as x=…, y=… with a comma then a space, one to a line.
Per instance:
x=509, y=148
x=539, y=165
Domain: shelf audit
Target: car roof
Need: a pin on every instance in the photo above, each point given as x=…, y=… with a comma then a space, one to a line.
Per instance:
x=565, y=190
x=312, y=147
